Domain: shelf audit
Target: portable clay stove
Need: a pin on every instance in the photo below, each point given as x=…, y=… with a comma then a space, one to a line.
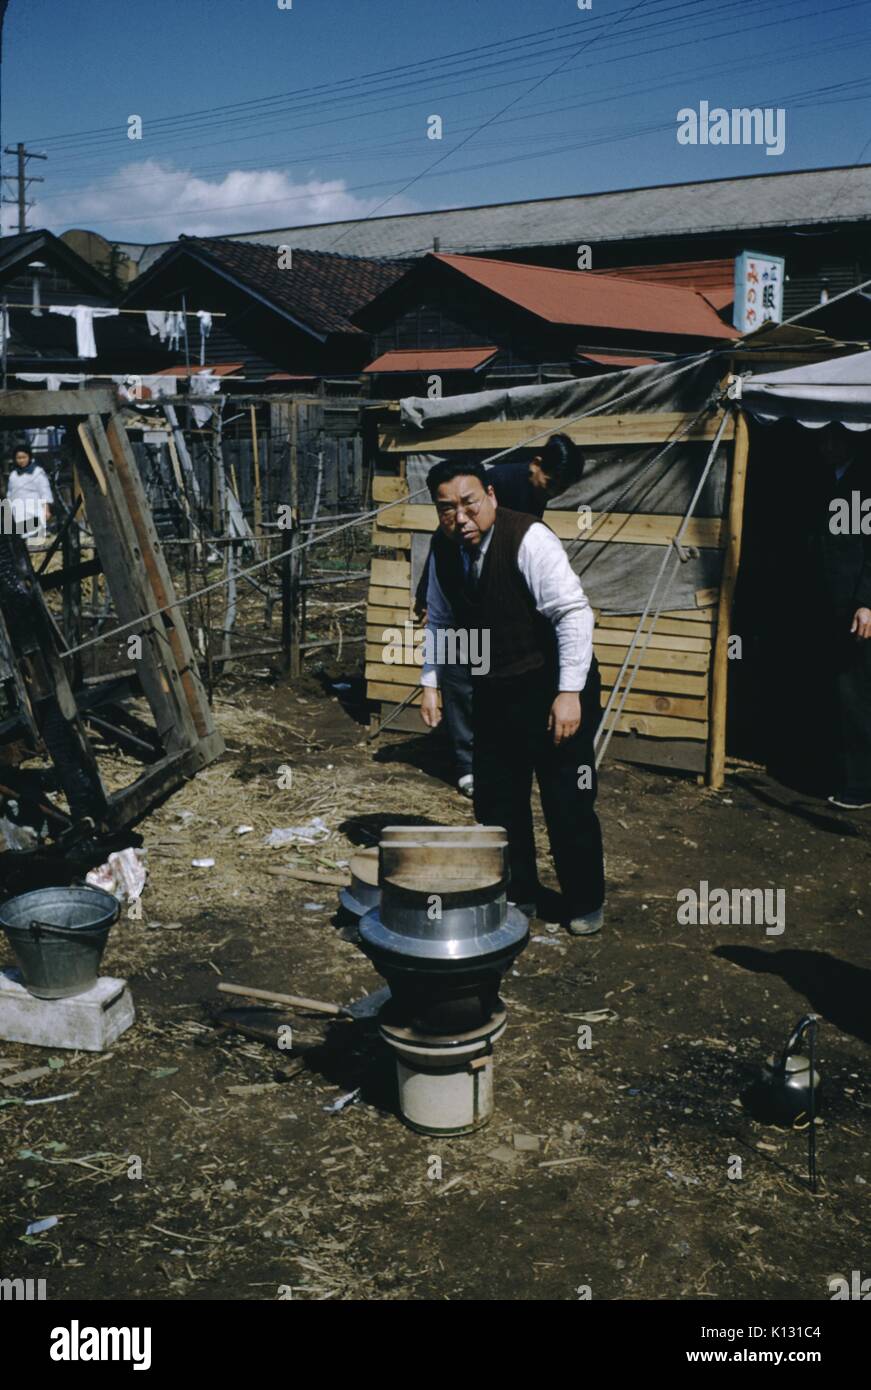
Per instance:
x=442, y=937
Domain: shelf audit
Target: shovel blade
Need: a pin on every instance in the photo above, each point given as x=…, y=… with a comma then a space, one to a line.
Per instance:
x=370, y=1004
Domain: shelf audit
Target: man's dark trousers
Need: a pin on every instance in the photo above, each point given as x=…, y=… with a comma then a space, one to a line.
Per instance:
x=511, y=742
x=457, y=684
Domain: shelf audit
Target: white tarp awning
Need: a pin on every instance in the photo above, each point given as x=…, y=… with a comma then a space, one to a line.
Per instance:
x=817, y=395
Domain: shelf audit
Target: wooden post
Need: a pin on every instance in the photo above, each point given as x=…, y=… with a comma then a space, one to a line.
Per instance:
x=72, y=592
x=217, y=480
x=731, y=562
x=291, y=636
x=150, y=586
x=258, y=510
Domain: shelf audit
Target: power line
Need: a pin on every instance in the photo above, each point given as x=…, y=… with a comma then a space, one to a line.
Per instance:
x=800, y=100
x=352, y=150
x=332, y=100
x=384, y=76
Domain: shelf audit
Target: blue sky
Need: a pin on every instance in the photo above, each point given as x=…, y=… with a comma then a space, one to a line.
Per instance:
x=329, y=100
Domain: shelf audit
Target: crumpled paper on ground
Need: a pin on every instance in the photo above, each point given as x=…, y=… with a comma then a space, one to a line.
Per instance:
x=16, y=837
x=310, y=834
x=123, y=874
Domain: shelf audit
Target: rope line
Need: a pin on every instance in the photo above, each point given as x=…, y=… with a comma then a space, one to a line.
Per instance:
x=676, y=559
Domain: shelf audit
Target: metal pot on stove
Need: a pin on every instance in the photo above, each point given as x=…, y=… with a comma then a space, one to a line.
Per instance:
x=443, y=934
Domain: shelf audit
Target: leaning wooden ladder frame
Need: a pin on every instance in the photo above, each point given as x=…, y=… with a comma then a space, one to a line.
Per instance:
x=677, y=703
x=131, y=558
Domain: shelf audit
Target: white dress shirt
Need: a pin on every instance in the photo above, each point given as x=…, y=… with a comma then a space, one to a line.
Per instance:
x=557, y=593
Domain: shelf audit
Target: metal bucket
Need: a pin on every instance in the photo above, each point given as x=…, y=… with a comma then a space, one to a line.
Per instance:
x=58, y=936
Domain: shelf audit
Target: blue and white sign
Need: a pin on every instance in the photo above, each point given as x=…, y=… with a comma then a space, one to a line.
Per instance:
x=758, y=290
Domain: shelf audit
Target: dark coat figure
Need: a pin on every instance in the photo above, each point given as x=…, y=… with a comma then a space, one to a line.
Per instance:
x=839, y=553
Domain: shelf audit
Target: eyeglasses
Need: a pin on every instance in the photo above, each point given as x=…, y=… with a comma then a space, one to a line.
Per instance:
x=448, y=510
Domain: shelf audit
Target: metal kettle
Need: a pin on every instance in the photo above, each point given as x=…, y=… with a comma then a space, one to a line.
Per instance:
x=789, y=1086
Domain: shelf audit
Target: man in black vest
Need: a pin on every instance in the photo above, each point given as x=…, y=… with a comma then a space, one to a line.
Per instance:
x=502, y=580
x=524, y=487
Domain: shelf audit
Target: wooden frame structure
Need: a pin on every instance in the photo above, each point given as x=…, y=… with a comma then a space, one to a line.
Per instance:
x=675, y=713
x=130, y=556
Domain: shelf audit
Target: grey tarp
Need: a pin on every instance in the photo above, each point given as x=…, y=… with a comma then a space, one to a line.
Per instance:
x=815, y=395
x=617, y=578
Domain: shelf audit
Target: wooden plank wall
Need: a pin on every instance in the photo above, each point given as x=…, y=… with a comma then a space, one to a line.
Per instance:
x=670, y=694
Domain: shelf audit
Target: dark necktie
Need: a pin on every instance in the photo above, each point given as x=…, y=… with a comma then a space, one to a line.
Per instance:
x=470, y=573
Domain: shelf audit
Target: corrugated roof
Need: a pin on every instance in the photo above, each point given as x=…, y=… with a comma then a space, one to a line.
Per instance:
x=432, y=360
x=794, y=199
x=319, y=290
x=597, y=301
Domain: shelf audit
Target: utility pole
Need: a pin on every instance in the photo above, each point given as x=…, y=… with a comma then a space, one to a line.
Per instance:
x=22, y=179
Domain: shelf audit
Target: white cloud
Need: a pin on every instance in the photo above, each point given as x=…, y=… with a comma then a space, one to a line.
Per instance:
x=154, y=201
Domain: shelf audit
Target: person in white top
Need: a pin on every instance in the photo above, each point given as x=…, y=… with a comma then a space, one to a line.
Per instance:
x=503, y=597
x=29, y=495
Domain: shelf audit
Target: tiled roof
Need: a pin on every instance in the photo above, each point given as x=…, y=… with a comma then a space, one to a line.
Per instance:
x=432, y=360
x=318, y=289
x=744, y=204
x=598, y=301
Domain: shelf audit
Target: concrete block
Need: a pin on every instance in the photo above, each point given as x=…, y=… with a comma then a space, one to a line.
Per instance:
x=89, y=1022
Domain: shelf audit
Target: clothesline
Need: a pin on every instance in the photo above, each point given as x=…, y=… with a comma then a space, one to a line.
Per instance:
x=188, y=313
x=169, y=325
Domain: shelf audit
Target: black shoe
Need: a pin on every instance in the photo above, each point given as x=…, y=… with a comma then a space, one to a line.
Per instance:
x=588, y=924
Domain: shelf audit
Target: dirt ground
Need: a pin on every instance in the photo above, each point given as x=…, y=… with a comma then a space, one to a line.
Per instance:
x=604, y=1170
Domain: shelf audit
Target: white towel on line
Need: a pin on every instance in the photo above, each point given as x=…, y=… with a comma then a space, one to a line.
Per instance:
x=205, y=329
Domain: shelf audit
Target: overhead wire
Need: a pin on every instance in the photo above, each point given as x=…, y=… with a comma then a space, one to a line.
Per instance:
x=364, y=151
x=369, y=515
x=331, y=92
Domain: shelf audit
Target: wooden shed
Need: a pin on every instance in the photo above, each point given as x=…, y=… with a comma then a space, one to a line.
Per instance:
x=674, y=714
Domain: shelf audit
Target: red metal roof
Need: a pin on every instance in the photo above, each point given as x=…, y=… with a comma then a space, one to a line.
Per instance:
x=223, y=369
x=579, y=298
x=713, y=279
x=432, y=360
x=610, y=359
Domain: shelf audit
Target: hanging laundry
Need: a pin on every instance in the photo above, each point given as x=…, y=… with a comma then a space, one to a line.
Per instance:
x=204, y=384
x=156, y=320
x=84, y=315
x=205, y=329
x=53, y=380
x=4, y=328
x=175, y=327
